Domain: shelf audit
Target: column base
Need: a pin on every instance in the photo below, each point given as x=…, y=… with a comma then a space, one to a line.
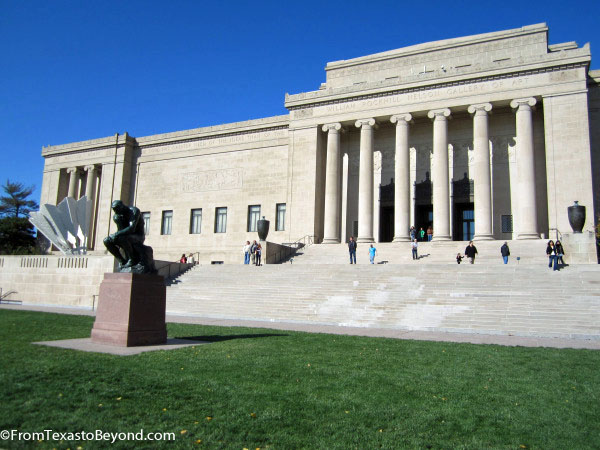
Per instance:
x=401, y=239
x=441, y=238
x=483, y=237
x=368, y=240
x=330, y=241
x=522, y=236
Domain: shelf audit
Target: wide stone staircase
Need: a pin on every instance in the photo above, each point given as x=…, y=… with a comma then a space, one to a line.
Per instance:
x=320, y=287
x=488, y=252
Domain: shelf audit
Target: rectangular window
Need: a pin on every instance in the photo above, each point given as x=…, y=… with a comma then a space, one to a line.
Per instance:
x=196, y=221
x=167, y=221
x=280, y=219
x=507, y=224
x=220, y=220
x=146, y=220
x=253, y=216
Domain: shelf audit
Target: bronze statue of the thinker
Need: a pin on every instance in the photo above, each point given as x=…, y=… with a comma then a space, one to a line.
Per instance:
x=127, y=243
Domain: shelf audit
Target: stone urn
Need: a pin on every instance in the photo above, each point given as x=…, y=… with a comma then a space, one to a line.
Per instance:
x=576, y=217
x=262, y=226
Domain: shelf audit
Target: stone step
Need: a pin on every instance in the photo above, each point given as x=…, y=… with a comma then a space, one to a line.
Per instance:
x=527, y=299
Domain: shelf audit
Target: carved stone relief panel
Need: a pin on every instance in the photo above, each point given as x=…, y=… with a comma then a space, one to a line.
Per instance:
x=212, y=180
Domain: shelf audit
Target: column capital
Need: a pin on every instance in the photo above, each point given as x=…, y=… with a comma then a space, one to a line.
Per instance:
x=360, y=122
x=72, y=170
x=332, y=127
x=523, y=102
x=401, y=118
x=480, y=108
x=89, y=168
x=439, y=114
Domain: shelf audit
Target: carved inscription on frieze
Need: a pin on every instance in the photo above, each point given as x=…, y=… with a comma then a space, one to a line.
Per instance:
x=212, y=180
x=427, y=95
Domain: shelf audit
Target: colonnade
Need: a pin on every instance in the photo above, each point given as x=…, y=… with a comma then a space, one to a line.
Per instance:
x=75, y=178
x=525, y=212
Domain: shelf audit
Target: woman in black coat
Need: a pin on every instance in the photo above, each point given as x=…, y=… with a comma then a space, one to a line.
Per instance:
x=551, y=252
x=559, y=252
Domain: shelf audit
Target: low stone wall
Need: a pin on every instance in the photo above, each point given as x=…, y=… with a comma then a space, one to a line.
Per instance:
x=274, y=253
x=54, y=280
x=580, y=248
x=63, y=280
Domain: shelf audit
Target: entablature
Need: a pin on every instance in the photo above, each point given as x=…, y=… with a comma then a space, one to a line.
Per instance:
x=553, y=61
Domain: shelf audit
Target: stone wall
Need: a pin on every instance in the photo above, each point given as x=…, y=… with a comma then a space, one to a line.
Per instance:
x=64, y=280
x=54, y=280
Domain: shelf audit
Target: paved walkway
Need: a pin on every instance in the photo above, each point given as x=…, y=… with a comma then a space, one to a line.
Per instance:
x=473, y=338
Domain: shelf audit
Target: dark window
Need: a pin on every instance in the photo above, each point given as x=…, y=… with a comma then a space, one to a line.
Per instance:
x=253, y=216
x=280, y=218
x=507, y=224
x=146, y=219
x=167, y=222
x=196, y=221
x=220, y=220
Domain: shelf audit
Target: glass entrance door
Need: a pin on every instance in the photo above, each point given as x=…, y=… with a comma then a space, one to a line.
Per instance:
x=464, y=223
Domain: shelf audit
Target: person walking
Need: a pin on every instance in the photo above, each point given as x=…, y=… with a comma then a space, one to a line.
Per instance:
x=372, y=253
x=258, y=254
x=412, y=233
x=183, y=259
x=429, y=233
x=470, y=252
x=560, y=252
x=505, y=251
x=459, y=258
x=191, y=259
x=414, y=245
x=246, y=252
x=552, y=256
x=352, y=249
x=422, y=234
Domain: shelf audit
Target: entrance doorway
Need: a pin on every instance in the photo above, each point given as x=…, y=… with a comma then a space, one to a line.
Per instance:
x=423, y=218
x=386, y=224
x=464, y=222
x=386, y=212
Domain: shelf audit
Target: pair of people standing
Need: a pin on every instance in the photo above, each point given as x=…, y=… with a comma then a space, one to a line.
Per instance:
x=555, y=253
x=352, y=251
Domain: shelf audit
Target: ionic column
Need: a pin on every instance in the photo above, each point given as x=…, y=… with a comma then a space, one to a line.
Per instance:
x=90, y=185
x=402, y=176
x=73, y=181
x=365, y=181
x=439, y=175
x=481, y=172
x=332, y=185
x=90, y=193
x=527, y=206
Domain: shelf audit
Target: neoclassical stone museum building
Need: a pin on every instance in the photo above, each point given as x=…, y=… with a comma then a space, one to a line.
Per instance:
x=490, y=136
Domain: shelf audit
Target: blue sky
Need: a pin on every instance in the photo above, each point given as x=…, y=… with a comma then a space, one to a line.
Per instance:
x=77, y=70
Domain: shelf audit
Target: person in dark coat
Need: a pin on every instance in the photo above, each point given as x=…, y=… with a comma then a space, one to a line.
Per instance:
x=352, y=249
x=551, y=252
x=505, y=252
x=470, y=252
x=560, y=251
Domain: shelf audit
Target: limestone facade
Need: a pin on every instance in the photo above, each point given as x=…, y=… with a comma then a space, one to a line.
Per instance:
x=490, y=136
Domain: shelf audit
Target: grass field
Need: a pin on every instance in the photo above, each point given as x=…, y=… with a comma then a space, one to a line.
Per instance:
x=258, y=388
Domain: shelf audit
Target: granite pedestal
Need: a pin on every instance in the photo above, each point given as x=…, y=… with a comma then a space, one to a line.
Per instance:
x=131, y=310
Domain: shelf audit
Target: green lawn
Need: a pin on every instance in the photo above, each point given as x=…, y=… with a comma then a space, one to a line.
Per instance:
x=263, y=388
